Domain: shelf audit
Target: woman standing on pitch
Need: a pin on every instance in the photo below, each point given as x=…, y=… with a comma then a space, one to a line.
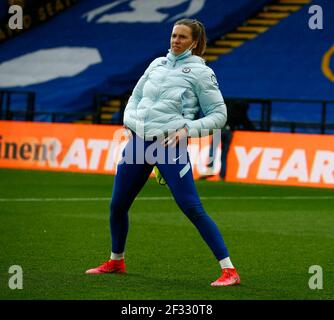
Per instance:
x=167, y=97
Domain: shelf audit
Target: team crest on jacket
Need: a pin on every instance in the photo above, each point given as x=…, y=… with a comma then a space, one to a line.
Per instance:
x=214, y=80
x=186, y=70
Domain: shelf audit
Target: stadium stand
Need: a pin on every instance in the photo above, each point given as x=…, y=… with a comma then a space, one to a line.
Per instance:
x=35, y=12
x=102, y=46
x=92, y=54
x=287, y=62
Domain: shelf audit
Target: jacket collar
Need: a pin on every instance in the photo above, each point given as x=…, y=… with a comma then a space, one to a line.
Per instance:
x=186, y=54
x=173, y=58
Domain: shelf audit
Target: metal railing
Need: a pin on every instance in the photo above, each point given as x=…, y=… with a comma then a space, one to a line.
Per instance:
x=264, y=122
x=25, y=108
x=100, y=101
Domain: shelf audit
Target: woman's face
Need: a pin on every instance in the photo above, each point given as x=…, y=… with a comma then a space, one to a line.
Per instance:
x=181, y=39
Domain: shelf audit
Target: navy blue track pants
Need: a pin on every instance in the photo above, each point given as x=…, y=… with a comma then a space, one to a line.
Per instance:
x=132, y=173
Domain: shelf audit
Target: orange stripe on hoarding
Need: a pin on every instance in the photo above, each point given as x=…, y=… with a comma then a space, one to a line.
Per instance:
x=282, y=158
x=75, y=147
x=254, y=157
x=60, y=147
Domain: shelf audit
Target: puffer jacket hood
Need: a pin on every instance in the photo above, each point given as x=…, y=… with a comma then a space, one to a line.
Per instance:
x=170, y=95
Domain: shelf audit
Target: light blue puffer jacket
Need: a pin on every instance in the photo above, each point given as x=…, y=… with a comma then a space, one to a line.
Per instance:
x=169, y=95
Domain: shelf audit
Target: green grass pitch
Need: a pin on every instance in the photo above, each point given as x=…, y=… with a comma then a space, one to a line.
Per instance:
x=56, y=225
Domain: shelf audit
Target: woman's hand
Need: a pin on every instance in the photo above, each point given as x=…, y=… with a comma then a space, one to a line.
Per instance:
x=173, y=139
x=129, y=133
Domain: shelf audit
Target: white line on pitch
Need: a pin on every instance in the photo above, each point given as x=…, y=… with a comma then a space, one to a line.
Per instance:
x=171, y=198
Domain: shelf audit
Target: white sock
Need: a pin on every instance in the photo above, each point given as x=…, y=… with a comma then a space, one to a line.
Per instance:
x=117, y=256
x=226, y=263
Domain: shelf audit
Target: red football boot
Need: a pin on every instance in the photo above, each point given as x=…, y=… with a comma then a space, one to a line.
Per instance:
x=111, y=266
x=229, y=277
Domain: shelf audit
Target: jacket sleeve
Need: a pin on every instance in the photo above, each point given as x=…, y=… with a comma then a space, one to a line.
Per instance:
x=212, y=104
x=130, y=112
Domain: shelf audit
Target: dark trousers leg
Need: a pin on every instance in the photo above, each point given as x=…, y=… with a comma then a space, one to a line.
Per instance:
x=129, y=180
x=181, y=183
